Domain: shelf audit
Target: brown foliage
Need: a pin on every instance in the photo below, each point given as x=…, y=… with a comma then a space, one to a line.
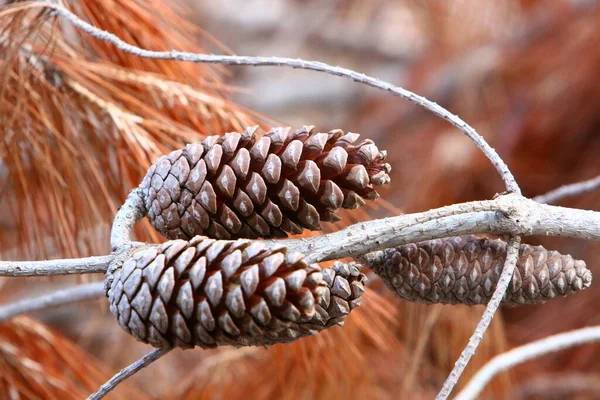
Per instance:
x=81, y=122
x=39, y=363
x=329, y=365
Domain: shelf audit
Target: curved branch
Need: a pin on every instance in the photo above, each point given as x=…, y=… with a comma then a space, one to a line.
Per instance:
x=55, y=299
x=572, y=189
x=512, y=253
x=490, y=153
x=524, y=353
x=130, y=212
x=127, y=372
x=69, y=266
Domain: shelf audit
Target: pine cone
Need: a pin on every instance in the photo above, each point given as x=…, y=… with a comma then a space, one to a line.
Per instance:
x=209, y=292
x=244, y=186
x=465, y=269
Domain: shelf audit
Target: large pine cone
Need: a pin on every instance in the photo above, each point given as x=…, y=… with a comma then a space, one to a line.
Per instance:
x=465, y=269
x=244, y=186
x=209, y=292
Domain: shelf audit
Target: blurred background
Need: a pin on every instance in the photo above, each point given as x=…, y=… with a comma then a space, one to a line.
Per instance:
x=80, y=122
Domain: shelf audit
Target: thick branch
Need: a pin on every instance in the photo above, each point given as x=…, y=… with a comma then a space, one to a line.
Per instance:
x=87, y=265
x=572, y=189
x=55, y=299
x=524, y=353
x=365, y=237
x=512, y=253
x=499, y=164
x=127, y=372
x=509, y=214
x=129, y=213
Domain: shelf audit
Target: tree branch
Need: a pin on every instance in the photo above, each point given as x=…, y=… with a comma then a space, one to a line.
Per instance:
x=129, y=213
x=508, y=214
x=572, y=189
x=86, y=265
x=490, y=153
x=512, y=252
x=524, y=353
x=55, y=299
x=127, y=372
x=365, y=237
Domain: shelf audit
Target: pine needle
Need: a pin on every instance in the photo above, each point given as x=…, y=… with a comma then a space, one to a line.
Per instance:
x=81, y=122
x=38, y=363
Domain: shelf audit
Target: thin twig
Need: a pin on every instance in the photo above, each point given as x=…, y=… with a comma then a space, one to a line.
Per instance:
x=524, y=353
x=512, y=252
x=490, y=153
x=572, y=189
x=127, y=372
x=129, y=213
x=69, y=266
x=55, y=299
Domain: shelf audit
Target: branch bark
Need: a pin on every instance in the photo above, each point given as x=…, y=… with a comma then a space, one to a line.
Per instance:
x=506, y=215
x=127, y=372
x=130, y=212
x=490, y=153
x=524, y=353
x=55, y=299
x=70, y=266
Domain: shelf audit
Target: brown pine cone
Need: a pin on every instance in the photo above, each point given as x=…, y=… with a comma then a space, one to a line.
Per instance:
x=208, y=292
x=246, y=186
x=465, y=269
